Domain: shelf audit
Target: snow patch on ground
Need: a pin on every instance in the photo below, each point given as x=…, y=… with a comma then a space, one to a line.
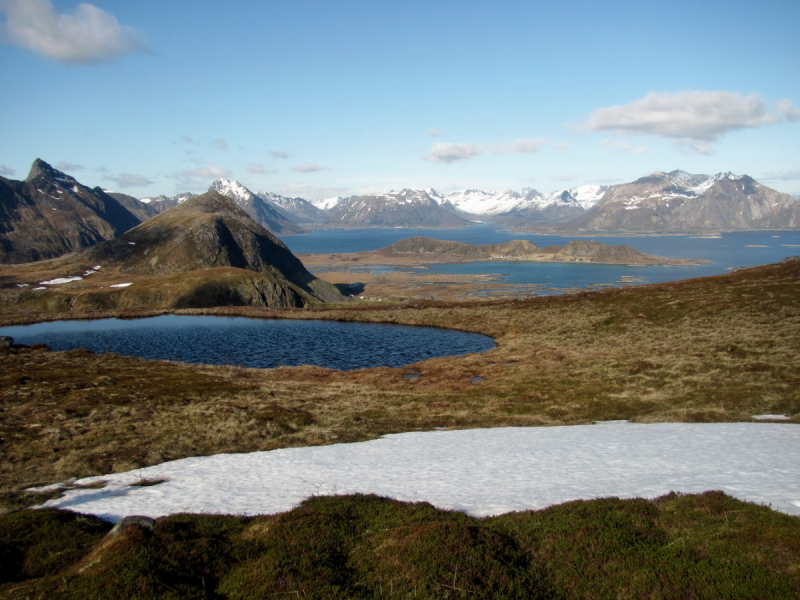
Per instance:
x=771, y=417
x=60, y=280
x=478, y=471
x=121, y=285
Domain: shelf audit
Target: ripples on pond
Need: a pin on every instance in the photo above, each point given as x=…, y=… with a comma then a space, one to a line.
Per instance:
x=255, y=342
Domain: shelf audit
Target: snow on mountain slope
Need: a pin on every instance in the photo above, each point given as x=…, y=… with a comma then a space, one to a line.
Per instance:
x=263, y=211
x=588, y=195
x=329, y=203
x=480, y=202
x=168, y=201
x=233, y=190
x=294, y=209
x=406, y=208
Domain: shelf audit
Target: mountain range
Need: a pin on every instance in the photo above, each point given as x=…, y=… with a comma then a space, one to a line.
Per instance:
x=660, y=202
x=50, y=213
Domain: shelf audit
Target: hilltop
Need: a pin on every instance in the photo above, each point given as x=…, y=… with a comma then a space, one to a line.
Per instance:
x=204, y=252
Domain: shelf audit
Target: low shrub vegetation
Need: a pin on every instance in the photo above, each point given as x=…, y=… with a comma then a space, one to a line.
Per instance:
x=362, y=546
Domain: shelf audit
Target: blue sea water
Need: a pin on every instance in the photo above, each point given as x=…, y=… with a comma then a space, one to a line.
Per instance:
x=259, y=343
x=725, y=252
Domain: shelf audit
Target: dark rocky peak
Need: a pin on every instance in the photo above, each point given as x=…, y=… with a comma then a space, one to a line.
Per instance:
x=43, y=169
x=565, y=196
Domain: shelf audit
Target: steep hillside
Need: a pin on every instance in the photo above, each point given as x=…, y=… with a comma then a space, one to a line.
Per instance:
x=50, y=214
x=142, y=210
x=206, y=231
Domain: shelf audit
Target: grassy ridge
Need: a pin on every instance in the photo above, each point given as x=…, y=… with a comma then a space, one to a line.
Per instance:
x=695, y=546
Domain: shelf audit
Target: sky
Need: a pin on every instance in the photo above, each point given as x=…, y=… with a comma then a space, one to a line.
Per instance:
x=318, y=99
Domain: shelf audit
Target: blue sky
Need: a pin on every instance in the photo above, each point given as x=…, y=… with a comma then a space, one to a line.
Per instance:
x=320, y=98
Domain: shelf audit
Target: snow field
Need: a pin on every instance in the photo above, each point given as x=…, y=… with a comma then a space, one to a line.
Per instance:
x=479, y=471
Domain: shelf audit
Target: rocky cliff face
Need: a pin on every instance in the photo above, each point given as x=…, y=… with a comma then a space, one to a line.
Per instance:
x=50, y=214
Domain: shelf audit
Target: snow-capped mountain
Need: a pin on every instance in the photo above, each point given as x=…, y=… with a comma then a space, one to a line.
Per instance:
x=491, y=203
x=588, y=195
x=261, y=210
x=406, y=208
x=673, y=201
x=294, y=209
x=329, y=203
x=162, y=203
x=680, y=201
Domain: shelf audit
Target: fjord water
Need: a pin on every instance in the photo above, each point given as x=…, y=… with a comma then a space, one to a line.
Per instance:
x=259, y=343
x=726, y=251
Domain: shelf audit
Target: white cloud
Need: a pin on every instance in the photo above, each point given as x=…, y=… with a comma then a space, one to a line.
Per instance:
x=434, y=132
x=312, y=192
x=450, y=152
x=187, y=139
x=279, y=154
x=195, y=179
x=787, y=109
x=88, y=35
x=781, y=176
x=308, y=168
x=212, y=171
x=126, y=180
x=68, y=166
x=254, y=168
x=624, y=146
x=523, y=146
x=6, y=171
x=564, y=177
x=691, y=119
x=219, y=144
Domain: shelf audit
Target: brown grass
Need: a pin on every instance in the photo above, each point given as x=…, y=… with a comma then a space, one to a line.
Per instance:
x=715, y=349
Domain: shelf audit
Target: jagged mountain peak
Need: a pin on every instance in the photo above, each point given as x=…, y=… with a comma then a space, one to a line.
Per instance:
x=50, y=213
x=42, y=169
x=232, y=189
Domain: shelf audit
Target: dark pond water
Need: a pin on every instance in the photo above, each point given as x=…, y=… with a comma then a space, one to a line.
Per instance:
x=255, y=342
